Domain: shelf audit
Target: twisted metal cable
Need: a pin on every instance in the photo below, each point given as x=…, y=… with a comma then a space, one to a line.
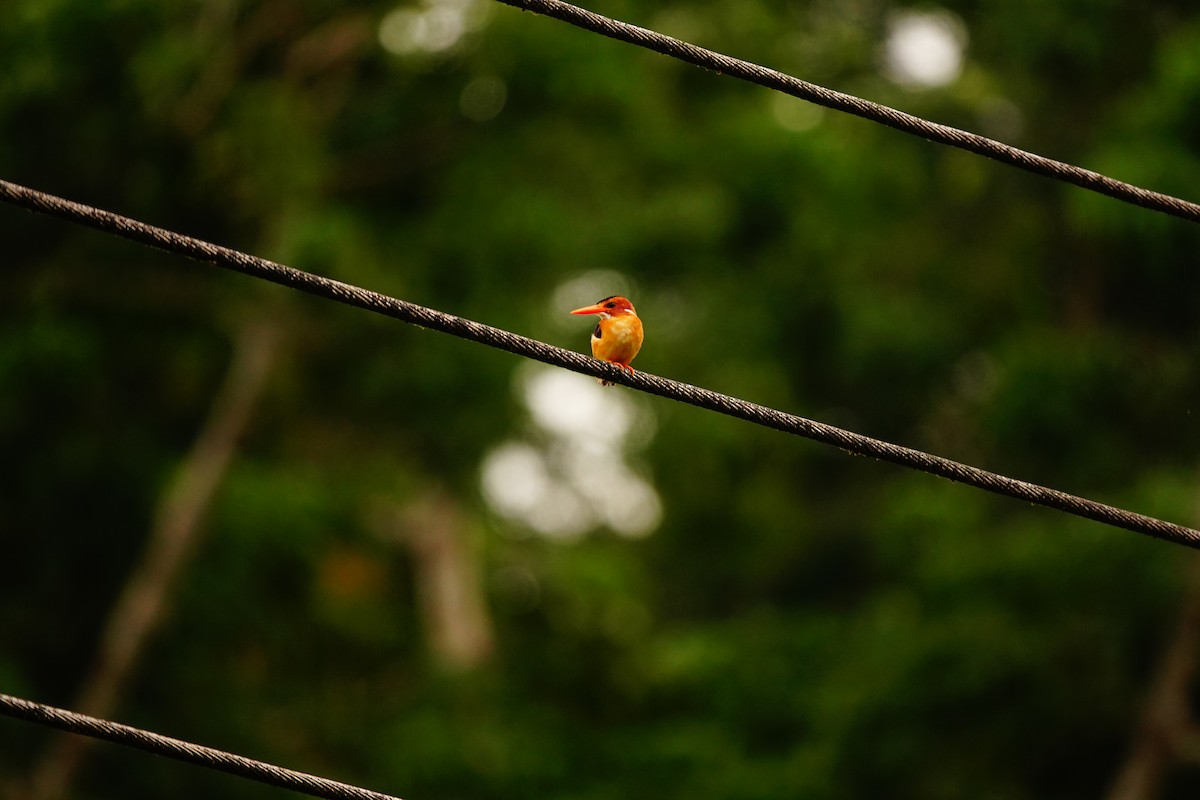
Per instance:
x=556, y=356
x=181, y=750
x=917, y=126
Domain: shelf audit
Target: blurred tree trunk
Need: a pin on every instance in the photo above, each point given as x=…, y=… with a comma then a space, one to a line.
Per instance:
x=449, y=590
x=178, y=525
x=1166, y=733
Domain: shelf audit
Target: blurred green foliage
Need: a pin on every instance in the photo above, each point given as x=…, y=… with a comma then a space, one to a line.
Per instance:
x=801, y=624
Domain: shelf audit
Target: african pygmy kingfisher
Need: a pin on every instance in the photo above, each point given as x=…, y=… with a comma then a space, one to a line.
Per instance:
x=618, y=335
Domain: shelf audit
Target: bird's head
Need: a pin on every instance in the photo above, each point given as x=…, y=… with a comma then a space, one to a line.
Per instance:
x=608, y=307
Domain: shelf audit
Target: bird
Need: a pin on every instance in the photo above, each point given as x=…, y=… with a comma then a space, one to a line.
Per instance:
x=618, y=335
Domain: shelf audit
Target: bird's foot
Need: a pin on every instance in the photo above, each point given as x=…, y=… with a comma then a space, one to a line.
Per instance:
x=625, y=367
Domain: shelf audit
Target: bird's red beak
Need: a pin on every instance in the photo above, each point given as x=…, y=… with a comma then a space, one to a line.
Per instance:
x=596, y=309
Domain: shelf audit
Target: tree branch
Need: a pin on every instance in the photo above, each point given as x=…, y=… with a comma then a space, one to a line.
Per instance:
x=1166, y=732
x=176, y=533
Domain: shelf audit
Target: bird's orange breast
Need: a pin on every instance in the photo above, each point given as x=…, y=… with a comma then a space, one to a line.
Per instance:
x=617, y=339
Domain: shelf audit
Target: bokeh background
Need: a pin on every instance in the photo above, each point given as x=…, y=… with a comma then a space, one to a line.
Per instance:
x=245, y=517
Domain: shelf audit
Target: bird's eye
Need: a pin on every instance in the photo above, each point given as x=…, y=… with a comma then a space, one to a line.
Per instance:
x=610, y=305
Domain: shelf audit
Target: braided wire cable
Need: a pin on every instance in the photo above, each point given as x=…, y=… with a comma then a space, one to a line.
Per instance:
x=556, y=356
x=181, y=750
x=908, y=123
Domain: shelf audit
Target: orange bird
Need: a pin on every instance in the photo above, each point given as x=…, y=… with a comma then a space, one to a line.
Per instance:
x=618, y=335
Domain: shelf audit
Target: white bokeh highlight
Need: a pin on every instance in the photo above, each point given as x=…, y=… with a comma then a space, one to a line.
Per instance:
x=924, y=49
x=431, y=26
x=573, y=475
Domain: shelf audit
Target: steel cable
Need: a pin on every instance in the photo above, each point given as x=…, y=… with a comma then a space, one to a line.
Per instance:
x=917, y=126
x=556, y=356
x=181, y=750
